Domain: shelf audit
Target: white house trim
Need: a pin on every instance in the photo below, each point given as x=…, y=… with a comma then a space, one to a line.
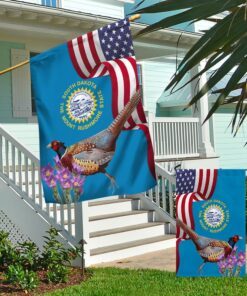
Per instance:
x=206, y=149
x=37, y=17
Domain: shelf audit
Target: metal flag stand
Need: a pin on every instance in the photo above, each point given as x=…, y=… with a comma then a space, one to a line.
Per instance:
x=131, y=19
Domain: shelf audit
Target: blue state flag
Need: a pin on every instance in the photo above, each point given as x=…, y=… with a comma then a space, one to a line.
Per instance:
x=210, y=209
x=94, y=139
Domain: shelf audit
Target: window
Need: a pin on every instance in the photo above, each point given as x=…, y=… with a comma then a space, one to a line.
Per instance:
x=51, y=3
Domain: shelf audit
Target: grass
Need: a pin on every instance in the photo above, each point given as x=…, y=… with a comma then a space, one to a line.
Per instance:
x=126, y=282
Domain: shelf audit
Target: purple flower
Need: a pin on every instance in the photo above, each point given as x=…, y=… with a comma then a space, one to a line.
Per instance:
x=231, y=261
x=63, y=175
x=47, y=172
x=66, y=184
x=51, y=182
x=241, y=259
x=77, y=181
x=222, y=264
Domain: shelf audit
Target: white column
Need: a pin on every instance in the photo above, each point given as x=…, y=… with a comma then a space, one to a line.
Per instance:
x=82, y=229
x=205, y=149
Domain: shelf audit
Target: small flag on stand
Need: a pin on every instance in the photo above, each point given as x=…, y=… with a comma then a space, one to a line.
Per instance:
x=210, y=210
x=94, y=140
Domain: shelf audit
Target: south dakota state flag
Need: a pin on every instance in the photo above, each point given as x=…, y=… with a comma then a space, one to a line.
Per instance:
x=210, y=207
x=94, y=140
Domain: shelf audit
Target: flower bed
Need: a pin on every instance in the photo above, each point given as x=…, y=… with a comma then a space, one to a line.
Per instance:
x=24, y=267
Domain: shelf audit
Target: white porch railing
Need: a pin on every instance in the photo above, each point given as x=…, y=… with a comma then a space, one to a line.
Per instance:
x=163, y=195
x=174, y=138
x=20, y=169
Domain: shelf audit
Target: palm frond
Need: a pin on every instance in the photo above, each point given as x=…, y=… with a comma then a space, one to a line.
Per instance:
x=224, y=44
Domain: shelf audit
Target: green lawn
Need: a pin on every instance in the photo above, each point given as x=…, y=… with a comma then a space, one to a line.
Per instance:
x=125, y=282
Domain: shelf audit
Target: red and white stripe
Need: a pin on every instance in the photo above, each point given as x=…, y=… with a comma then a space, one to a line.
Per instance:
x=89, y=62
x=204, y=187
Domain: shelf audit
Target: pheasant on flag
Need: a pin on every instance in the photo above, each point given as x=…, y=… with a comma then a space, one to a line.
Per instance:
x=210, y=211
x=94, y=139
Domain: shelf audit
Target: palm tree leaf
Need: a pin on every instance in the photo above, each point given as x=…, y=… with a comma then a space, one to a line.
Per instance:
x=235, y=78
x=212, y=61
x=238, y=109
x=202, y=10
x=174, y=5
x=225, y=26
x=170, y=5
x=224, y=44
x=234, y=59
x=237, y=86
x=209, y=43
x=242, y=118
x=139, y=4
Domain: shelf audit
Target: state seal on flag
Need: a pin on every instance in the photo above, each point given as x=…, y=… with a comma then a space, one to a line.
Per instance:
x=82, y=105
x=214, y=216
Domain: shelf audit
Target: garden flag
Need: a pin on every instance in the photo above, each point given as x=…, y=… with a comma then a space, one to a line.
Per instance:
x=210, y=209
x=94, y=140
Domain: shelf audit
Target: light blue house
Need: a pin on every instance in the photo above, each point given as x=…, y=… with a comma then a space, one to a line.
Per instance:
x=117, y=227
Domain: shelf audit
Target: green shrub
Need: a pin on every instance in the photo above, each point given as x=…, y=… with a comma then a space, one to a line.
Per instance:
x=55, y=256
x=23, y=278
x=8, y=254
x=21, y=262
x=57, y=273
x=54, y=251
x=28, y=255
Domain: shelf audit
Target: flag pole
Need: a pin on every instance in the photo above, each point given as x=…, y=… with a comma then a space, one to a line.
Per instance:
x=134, y=17
x=131, y=19
x=14, y=67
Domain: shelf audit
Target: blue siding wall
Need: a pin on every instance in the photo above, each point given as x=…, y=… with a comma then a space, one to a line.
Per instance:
x=154, y=17
x=156, y=76
x=232, y=152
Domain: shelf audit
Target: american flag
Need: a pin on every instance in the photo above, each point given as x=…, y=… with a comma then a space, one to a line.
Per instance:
x=109, y=51
x=192, y=186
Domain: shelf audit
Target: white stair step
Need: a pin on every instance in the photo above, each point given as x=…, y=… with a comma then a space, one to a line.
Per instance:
x=126, y=234
x=134, y=248
x=112, y=206
x=112, y=221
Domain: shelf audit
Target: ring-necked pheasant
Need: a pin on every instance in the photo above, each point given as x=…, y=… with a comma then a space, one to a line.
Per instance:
x=210, y=250
x=93, y=154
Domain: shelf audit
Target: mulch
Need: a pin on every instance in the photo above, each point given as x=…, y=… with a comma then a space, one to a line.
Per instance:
x=75, y=277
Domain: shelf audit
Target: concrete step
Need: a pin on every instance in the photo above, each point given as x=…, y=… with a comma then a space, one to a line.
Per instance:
x=116, y=220
x=129, y=249
x=126, y=234
x=111, y=206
